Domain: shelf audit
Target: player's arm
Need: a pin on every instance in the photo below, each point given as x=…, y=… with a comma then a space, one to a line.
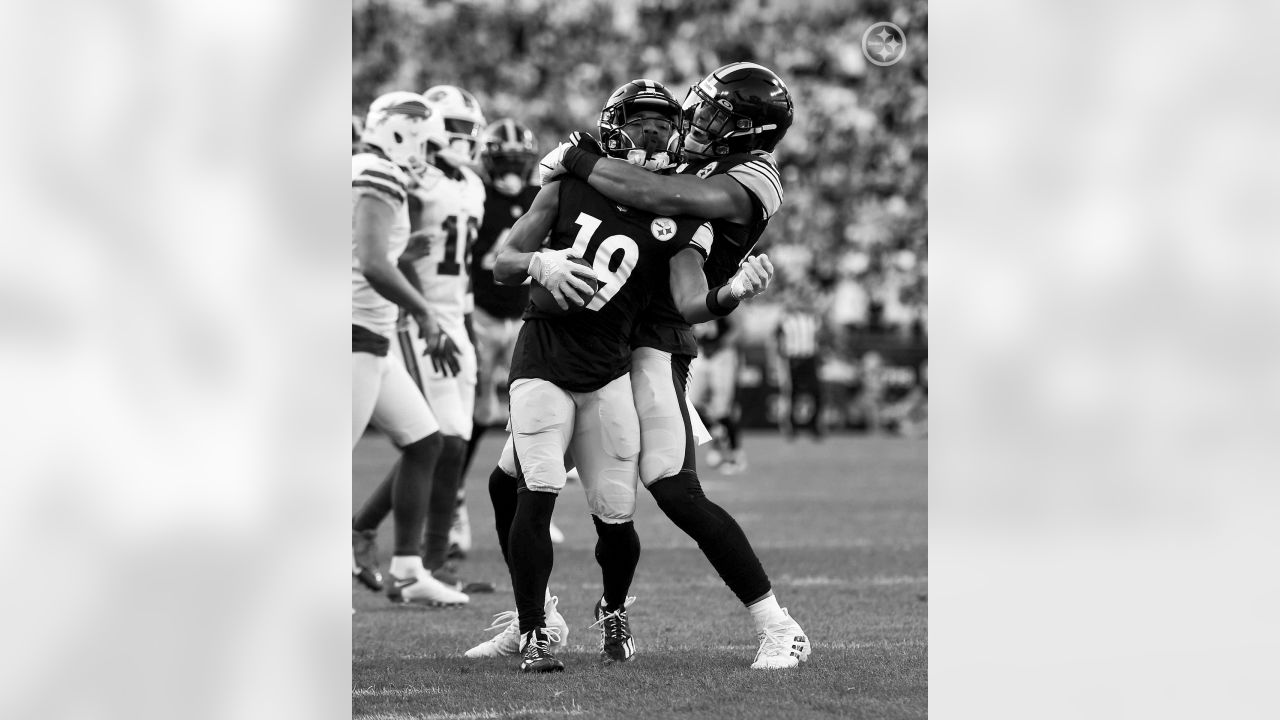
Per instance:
x=372, y=228
x=522, y=255
x=698, y=303
x=715, y=197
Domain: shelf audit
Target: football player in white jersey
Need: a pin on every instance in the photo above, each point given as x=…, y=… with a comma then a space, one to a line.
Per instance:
x=382, y=391
x=446, y=209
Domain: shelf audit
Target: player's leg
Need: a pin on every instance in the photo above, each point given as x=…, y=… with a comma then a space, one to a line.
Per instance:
x=489, y=347
x=542, y=420
x=366, y=379
x=452, y=398
x=723, y=383
x=606, y=446
x=699, y=394
x=668, y=470
x=402, y=413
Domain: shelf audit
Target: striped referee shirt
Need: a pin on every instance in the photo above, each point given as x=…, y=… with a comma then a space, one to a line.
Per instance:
x=798, y=335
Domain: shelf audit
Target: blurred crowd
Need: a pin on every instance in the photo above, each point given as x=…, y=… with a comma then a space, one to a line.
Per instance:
x=851, y=239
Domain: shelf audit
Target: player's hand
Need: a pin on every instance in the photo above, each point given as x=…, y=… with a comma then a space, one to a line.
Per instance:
x=444, y=354
x=752, y=278
x=587, y=142
x=562, y=278
x=552, y=164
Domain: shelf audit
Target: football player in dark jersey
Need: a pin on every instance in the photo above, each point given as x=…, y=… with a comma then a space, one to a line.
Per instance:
x=570, y=386
x=730, y=122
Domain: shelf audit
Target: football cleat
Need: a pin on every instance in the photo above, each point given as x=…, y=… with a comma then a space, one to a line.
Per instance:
x=783, y=645
x=424, y=590
x=616, y=643
x=448, y=574
x=535, y=646
x=507, y=642
x=364, y=559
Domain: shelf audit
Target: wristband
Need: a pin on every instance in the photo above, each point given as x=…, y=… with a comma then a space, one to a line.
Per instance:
x=579, y=162
x=716, y=307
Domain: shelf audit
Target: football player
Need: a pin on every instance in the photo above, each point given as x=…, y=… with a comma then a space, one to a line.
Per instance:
x=730, y=121
x=446, y=209
x=713, y=380
x=570, y=385
x=381, y=389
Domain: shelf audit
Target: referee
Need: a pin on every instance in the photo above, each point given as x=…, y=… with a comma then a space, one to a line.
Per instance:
x=799, y=336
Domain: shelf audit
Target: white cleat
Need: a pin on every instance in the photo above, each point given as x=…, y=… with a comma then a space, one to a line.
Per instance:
x=507, y=642
x=424, y=590
x=783, y=645
x=557, y=536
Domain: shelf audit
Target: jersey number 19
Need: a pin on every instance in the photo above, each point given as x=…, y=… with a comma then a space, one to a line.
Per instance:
x=613, y=258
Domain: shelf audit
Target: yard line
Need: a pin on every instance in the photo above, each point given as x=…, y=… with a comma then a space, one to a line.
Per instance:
x=475, y=715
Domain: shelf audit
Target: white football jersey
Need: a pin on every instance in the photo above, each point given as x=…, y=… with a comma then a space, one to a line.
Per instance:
x=448, y=222
x=375, y=176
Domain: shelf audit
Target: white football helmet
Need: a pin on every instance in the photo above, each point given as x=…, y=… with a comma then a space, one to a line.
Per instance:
x=459, y=140
x=399, y=124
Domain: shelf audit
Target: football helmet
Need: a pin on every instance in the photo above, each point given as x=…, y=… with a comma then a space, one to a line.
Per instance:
x=620, y=110
x=459, y=139
x=738, y=108
x=399, y=124
x=508, y=148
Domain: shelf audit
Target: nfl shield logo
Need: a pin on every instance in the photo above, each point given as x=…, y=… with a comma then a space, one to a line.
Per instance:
x=663, y=228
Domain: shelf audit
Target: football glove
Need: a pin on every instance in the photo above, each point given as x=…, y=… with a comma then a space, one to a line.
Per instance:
x=587, y=142
x=552, y=164
x=752, y=278
x=553, y=271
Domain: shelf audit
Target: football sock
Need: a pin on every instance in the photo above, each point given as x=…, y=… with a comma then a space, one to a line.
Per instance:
x=477, y=431
x=718, y=535
x=618, y=553
x=407, y=566
x=378, y=506
x=410, y=491
x=765, y=612
x=442, y=501
x=502, y=492
x=532, y=556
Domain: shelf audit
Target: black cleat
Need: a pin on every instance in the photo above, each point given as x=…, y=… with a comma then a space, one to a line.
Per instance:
x=616, y=643
x=535, y=647
x=364, y=559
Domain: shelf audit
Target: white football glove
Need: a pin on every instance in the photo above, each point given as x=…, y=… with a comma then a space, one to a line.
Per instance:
x=752, y=278
x=562, y=278
x=552, y=164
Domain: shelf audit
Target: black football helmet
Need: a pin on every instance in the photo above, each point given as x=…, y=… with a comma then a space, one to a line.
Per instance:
x=625, y=102
x=508, y=146
x=739, y=108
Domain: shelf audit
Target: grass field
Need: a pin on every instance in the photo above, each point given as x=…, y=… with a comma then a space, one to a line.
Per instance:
x=840, y=526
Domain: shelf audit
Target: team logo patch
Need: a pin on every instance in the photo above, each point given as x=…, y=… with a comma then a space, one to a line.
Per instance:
x=704, y=172
x=663, y=228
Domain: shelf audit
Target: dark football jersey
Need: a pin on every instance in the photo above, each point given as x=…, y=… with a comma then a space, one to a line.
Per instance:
x=631, y=253
x=661, y=326
x=500, y=213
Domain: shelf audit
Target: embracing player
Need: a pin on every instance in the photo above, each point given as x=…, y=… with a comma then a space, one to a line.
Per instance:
x=570, y=382
x=731, y=121
x=446, y=207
